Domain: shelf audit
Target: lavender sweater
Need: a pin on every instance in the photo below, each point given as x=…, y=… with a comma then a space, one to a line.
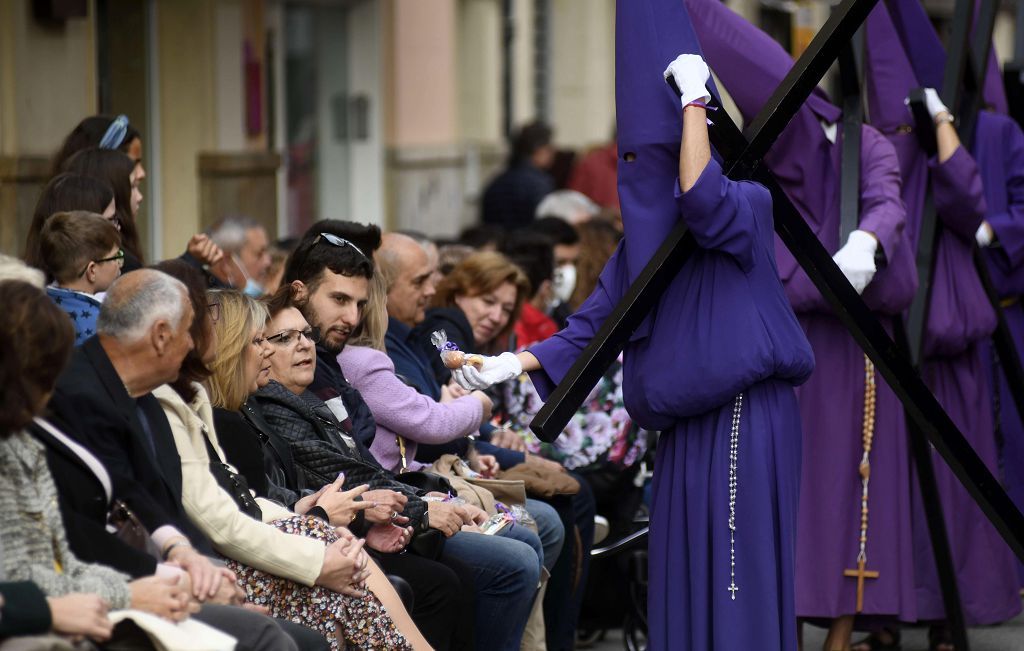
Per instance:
x=400, y=409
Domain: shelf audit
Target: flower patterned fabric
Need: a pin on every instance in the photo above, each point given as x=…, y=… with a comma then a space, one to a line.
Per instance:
x=365, y=622
x=600, y=433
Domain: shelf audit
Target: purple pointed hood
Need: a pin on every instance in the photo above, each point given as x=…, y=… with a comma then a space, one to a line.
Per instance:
x=928, y=56
x=748, y=62
x=888, y=78
x=649, y=34
x=995, y=91
x=751, y=65
x=921, y=44
x=888, y=73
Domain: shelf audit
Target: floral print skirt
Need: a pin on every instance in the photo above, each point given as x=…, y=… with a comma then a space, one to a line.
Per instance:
x=364, y=622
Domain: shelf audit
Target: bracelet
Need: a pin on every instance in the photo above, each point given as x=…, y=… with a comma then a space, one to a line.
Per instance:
x=948, y=118
x=176, y=543
x=700, y=104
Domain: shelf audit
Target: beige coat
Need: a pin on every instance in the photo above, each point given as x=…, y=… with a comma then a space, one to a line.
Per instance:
x=215, y=512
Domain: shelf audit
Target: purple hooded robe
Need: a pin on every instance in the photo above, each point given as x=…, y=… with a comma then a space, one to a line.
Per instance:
x=959, y=322
x=998, y=149
x=750, y=65
x=722, y=329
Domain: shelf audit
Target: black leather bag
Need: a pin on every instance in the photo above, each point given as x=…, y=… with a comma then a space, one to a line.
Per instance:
x=428, y=482
x=130, y=529
x=235, y=484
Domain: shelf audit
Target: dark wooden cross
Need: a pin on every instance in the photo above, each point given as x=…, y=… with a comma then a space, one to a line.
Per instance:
x=743, y=155
x=860, y=574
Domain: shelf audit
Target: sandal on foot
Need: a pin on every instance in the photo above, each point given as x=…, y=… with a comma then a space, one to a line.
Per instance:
x=884, y=640
x=940, y=638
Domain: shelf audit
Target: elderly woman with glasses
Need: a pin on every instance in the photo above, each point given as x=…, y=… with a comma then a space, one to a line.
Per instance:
x=441, y=595
x=300, y=567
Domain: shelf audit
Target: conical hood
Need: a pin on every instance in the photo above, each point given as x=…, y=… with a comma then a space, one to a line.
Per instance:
x=928, y=56
x=747, y=61
x=888, y=73
x=921, y=44
x=649, y=34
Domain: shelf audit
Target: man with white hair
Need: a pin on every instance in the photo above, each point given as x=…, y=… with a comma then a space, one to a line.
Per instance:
x=12, y=268
x=103, y=401
x=245, y=241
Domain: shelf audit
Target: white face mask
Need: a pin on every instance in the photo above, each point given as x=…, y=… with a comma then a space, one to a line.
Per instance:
x=564, y=282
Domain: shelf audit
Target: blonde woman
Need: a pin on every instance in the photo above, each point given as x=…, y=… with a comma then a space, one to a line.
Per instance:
x=299, y=567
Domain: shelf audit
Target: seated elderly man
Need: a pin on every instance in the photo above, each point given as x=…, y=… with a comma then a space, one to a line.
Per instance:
x=245, y=242
x=103, y=401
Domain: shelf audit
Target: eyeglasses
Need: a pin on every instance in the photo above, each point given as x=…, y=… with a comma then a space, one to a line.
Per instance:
x=286, y=337
x=258, y=341
x=338, y=241
x=214, y=312
x=119, y=256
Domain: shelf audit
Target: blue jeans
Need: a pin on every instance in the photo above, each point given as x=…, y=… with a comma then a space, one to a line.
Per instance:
x=550, y=530
x=505, y=573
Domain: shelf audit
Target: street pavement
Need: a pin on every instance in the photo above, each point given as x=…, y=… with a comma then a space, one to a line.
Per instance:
x=1007, y=637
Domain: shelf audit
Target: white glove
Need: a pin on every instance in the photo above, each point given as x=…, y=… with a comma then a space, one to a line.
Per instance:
x=691, y=76
x=493, y=371
x=933, y=103
x=984, y=235
x=857, y=259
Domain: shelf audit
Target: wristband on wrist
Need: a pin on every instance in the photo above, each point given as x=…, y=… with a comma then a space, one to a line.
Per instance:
x=947, y=117
x=700, y=104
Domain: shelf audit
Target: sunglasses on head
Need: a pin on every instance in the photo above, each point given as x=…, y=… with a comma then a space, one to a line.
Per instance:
x=340, y=242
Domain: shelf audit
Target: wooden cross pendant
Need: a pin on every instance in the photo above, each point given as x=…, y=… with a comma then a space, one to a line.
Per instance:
x=860, y=574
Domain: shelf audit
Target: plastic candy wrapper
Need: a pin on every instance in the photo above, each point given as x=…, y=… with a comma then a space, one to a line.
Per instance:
x=507, y=515
x=496, y=523
x=451, y=356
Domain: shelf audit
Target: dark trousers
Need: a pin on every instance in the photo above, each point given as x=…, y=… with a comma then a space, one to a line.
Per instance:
x=443, y=597
x=566, y=587
x=256, y=632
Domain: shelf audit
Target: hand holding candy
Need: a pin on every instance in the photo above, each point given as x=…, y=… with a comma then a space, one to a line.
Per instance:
x=452, y=357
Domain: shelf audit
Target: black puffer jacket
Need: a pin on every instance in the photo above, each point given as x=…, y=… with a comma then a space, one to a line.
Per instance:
x=321, y=449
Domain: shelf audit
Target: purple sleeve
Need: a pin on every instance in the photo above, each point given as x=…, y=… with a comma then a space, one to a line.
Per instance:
x=1009, y=225
x=881, y=203
x=956, y=186
x=402, y=409
x=718, y=215
x=558, y=353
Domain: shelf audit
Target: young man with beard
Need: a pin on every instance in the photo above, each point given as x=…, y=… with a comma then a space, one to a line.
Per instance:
x=329, y=274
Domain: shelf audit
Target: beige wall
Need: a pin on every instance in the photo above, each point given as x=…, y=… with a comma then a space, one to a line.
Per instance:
x=422, y=89
x=47, y=85
x=479, y=71
x=186, y=55
x=582, y=71
x=47, y=79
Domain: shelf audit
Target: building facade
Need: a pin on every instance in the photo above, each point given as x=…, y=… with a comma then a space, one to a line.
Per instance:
x=386, y=111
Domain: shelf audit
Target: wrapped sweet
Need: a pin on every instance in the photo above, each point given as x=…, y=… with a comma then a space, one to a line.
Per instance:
x=451, y=356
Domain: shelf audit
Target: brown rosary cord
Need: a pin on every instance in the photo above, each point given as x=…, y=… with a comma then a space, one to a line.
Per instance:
x=865, y=478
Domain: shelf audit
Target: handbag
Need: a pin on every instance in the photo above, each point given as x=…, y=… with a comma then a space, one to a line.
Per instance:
x=235, y=485
x=130, y=530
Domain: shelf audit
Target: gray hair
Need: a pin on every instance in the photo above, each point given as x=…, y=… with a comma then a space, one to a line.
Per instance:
x=570, y=205
x=137, y=300
x=14, y=269
x=229, y=232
